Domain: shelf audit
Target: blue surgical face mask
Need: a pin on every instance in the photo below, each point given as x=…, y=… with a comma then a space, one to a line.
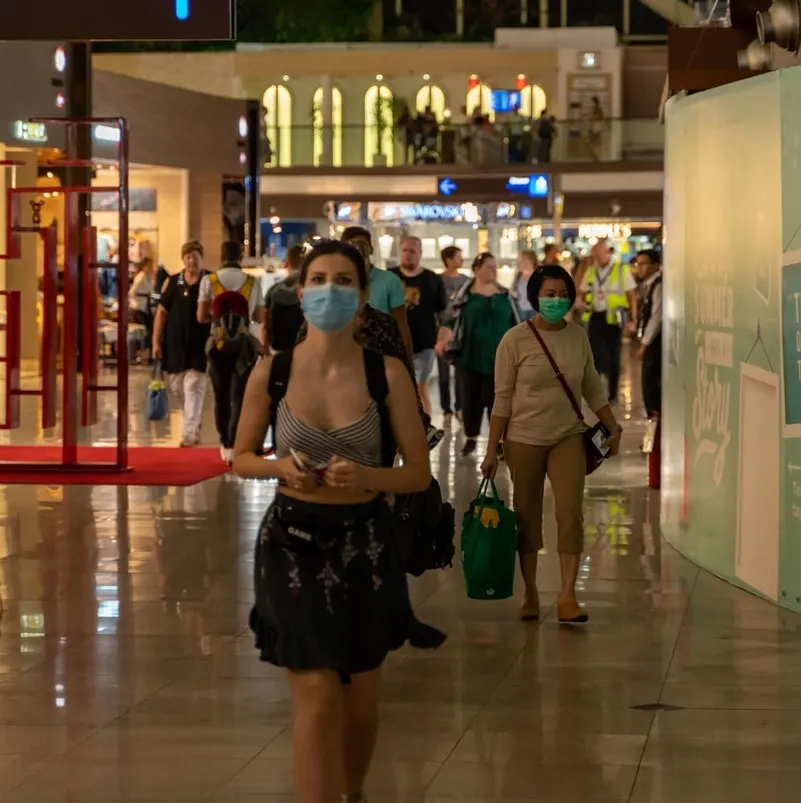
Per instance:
x=553, y=310
x=330, y=307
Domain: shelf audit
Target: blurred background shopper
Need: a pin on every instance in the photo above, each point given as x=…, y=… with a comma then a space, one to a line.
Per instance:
x=649, y=329
x=454, y=280
x=426, y=301
x=526, y=263
x=481, y=314
x=179, y=340
x=230, y=300
x=610, y=301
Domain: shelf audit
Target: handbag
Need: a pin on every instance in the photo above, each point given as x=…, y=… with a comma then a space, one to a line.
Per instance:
x=595, y=438
x=156, y=405
x=489, y=546
x=424, y=528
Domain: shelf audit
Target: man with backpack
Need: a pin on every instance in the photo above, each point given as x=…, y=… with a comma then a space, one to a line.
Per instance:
x=283, y=315
x=230, y=300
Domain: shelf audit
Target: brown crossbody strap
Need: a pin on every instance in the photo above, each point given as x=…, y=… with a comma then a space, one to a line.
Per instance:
x=559, y=375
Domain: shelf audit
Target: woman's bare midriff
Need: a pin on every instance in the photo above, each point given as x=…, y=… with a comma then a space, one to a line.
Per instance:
x=330, y=496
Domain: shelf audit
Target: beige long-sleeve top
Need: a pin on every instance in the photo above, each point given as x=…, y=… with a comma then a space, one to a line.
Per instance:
x=528, y=392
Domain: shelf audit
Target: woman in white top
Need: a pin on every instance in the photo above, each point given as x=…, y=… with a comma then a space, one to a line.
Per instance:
x=143, y=285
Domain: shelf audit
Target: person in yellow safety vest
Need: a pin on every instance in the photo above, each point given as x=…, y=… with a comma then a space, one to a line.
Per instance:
x=610, y=305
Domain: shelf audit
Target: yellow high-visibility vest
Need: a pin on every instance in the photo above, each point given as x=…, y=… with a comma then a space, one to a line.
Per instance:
x=614, y=290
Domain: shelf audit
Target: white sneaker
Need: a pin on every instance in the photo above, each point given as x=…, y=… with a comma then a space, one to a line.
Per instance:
x=227, y=455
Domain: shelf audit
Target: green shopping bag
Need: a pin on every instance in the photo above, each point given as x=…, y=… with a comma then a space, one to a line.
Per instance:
x=489, y=546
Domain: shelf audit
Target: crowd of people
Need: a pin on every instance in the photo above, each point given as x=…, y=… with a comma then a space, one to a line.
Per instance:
x=341, y=377
x=425, y=139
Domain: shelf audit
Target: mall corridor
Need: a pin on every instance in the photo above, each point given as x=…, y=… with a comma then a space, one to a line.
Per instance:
x=127, y=672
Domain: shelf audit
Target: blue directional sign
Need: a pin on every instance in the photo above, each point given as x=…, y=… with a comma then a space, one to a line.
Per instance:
x=182, y=9
x=447, y=186
x=536, y=186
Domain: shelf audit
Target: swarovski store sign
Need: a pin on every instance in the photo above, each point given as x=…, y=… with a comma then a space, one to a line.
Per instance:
x=423, y=212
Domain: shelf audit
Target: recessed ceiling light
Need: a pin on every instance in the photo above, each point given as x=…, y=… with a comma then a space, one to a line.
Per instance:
x=60, y=59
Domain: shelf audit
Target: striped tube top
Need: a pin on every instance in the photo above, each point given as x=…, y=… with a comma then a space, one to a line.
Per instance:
x=359, y=441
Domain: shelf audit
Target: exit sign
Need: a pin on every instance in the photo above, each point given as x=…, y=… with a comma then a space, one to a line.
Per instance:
x=118, y=21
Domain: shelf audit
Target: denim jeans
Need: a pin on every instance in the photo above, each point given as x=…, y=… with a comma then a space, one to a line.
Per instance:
x=445, y=387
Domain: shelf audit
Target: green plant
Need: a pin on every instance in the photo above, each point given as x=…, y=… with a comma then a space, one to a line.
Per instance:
x=387, y=110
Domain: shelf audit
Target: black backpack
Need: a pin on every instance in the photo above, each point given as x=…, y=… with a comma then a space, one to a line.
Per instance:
x=286, y=318
x=425, y=530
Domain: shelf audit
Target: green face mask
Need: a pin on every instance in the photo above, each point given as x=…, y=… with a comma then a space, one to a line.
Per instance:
x=553, y=310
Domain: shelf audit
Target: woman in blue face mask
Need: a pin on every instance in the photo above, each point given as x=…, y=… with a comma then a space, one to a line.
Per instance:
x=543, y=436
x=331, y=594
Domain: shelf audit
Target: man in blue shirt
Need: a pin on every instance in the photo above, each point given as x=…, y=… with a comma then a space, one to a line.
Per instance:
x=386, y=289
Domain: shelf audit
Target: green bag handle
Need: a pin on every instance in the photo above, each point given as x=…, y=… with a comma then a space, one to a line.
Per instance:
x=486, y=483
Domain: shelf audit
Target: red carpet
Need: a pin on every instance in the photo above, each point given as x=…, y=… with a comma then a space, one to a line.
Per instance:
x=149, y=465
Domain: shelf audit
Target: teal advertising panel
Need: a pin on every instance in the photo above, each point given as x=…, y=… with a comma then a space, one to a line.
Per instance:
x=723, y=429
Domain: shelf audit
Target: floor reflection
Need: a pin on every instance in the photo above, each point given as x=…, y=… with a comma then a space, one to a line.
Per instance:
x=127, y=672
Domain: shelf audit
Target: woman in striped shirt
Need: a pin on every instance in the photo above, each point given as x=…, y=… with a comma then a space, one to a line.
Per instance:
x=331, y=594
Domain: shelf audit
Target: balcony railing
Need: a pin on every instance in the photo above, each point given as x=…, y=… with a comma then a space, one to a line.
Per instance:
x=468, y=144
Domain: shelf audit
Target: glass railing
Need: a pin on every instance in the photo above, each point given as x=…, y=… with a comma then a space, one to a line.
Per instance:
x=474, y=144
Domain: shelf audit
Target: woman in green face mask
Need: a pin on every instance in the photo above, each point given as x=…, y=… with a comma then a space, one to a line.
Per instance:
x=543, y=436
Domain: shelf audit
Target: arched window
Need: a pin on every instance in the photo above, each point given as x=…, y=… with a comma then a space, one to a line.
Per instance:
x=480, y=96
x=277, y=104
x=533, y=101
x=432, y=96
x=336, y=122
x=379, y=126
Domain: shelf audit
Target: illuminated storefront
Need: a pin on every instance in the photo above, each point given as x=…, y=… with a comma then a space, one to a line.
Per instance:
x=505, y=228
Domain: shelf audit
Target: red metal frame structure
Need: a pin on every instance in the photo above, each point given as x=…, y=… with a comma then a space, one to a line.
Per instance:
x=77, y=234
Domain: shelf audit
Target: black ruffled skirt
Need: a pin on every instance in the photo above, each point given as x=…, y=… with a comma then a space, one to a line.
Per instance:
x=331, y=591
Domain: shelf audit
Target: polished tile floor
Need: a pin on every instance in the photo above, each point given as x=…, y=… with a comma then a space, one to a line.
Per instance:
x=127, y=672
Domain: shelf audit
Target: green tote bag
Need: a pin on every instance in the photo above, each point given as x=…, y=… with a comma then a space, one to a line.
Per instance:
x=489, y=546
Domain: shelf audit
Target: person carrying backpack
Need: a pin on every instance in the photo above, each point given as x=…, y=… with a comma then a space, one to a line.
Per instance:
x=230, y=300
x=283, y=313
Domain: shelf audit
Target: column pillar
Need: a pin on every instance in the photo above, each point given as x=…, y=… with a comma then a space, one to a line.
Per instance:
x=327, y=120
x=544, y=14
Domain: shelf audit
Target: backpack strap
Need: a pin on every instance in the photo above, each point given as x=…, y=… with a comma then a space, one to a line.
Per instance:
x=279, y=380
x=247, y=287
x=216, y=284
x=378, y=388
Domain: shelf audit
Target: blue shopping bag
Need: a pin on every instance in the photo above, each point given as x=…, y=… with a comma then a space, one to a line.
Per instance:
x=156, y=404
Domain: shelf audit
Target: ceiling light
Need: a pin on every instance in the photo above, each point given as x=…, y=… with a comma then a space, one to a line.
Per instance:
x=60, y=59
